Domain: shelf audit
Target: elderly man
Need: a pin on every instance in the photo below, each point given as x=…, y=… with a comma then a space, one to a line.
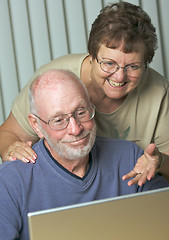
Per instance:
x=72, y=166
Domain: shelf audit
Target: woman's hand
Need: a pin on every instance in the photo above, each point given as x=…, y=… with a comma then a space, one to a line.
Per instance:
x=146, y=166
x=20, y=150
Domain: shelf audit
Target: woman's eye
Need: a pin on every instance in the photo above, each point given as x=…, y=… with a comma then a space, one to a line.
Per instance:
x=134, y=67
x=109, y=64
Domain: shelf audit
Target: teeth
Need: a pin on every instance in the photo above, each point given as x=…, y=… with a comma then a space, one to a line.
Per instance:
x=115, y=84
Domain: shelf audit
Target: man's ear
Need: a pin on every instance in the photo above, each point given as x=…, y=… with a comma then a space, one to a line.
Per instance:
x=34, y=124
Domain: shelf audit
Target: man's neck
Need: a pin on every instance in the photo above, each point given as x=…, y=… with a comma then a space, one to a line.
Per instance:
x=78, y=167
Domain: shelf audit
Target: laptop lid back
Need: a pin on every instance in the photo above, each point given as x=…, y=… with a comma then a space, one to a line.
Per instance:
x=137, y=216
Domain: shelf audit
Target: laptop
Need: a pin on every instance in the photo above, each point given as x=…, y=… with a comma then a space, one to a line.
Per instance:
x=139, y=216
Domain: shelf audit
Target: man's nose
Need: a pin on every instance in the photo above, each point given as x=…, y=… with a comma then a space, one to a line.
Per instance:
x=74, y=127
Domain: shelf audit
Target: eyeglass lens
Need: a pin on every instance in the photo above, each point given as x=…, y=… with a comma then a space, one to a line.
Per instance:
x=133, y=70
x=80, y=115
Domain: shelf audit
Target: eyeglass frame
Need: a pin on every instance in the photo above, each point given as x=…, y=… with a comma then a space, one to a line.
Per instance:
x=118, y=67
x=72, y=114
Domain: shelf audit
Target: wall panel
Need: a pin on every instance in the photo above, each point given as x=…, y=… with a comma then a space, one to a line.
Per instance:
x=22, y=41
x=57, y=28
x=164, y=24
x=91, y=10
x=39, y=32
x=8, y=66
x=33, y=32
x=152, y=9
x=77, y=35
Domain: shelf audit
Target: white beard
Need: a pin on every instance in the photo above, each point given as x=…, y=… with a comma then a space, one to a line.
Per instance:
x=72, y=153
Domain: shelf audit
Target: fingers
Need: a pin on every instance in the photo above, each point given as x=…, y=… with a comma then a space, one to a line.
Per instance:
x=138, y=178
x=131, y=174
x=142, y=178
x=7, y=157
x=151, y=173
x=21, y=151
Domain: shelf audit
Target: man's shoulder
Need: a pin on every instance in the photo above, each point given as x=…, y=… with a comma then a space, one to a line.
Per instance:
x=106, y=142
x=38, y=145
x=13, y=171
x=116, y=151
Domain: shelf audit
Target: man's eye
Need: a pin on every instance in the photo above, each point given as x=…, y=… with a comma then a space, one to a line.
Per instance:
x=81, y=112
x=58, y=120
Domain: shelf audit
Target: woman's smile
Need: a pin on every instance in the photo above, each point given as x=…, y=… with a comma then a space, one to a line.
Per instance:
x=115, y=84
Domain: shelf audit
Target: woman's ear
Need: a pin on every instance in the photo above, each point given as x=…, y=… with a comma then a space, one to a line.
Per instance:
x=35, y=125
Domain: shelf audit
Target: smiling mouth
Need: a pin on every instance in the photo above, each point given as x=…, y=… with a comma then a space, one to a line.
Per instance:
x=77, y=139
x=115, y=84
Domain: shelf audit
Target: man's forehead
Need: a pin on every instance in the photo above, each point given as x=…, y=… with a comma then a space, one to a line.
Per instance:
x=60, y=105
x=61, y=100
x=57, y=80
x=59, y=90
x=48, y=83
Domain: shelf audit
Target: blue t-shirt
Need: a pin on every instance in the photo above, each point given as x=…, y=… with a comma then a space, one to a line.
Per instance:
x=46, y=184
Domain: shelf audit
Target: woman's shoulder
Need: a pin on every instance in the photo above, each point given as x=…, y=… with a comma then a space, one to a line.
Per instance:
x=71, y=62
x=154, y=79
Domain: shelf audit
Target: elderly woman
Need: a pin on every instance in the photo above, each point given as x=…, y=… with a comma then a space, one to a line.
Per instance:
x=131, y=99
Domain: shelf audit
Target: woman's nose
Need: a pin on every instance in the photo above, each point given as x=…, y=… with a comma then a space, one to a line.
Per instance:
x=120, y=74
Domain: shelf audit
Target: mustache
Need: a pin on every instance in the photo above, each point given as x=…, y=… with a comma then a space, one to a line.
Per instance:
x=74, y=138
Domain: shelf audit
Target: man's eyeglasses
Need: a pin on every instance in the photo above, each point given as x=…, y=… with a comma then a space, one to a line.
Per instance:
x=132, y=70
x=80, y=115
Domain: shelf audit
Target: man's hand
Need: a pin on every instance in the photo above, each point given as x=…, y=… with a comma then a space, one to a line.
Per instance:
x=20, y=150
x=146, y=166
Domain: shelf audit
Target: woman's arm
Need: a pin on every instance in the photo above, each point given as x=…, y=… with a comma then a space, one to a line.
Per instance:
x=164, y=167
x=15, y=142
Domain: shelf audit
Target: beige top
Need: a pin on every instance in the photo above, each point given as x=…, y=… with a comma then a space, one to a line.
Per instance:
x=143, y=117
